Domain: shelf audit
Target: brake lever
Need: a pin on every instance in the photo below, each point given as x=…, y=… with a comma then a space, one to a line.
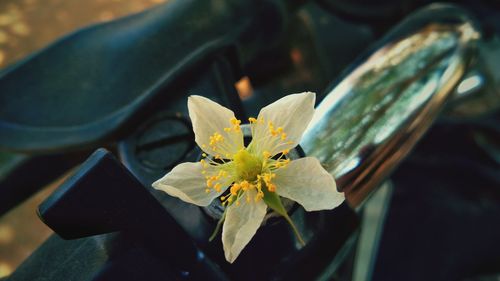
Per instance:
x=65, y=96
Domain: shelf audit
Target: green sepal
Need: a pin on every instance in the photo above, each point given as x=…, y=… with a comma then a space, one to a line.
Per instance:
x=273, y=200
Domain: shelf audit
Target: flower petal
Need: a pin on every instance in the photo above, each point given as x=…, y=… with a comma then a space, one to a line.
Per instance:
x=209, y=117
x=292, y=113
x=241, y=224
x=309, y=184
x=187, y=183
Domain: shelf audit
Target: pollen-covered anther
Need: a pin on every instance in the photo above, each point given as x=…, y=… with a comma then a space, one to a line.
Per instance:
x=215, y=139
x=211, y=181
x=259, y=196
x=235, y=188
x=235, y=121
x=252, y=120
x=272, y=131
x=245, y=185
x=267, y=178
x=266, y=154
x=277, y=132
x=281, y=163
x=236, y=125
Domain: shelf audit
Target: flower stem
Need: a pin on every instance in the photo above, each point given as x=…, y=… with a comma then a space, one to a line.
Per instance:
x=295, y=230
x=273, y=200
x=219, y=225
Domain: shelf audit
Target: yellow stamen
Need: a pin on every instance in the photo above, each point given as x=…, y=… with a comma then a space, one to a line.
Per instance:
x=236, y=124
x=244, y=185
x=215, y=139
x=235, y=121
x=259, y=196
x=247, y=170
x=266, y=154
x=235, y=188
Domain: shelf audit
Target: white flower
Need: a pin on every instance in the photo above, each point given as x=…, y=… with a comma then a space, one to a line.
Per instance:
x=255, y=175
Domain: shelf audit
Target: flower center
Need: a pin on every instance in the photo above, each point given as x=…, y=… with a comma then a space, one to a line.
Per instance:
x=247, y=169
x=247, y=165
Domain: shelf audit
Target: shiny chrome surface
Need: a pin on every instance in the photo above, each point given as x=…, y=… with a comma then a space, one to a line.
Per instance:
x=478, y=93
x=375, y=114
